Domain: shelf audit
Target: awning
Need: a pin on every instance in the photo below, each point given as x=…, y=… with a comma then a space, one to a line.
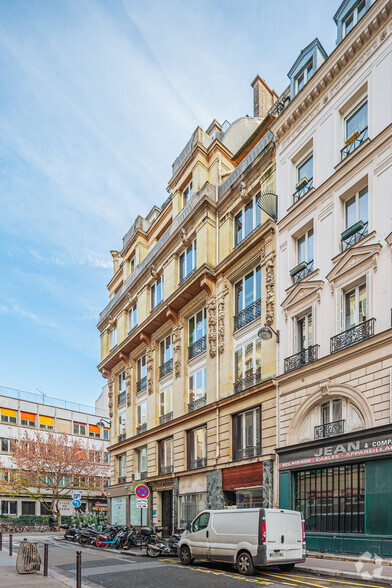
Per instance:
x=9, y=412
x=45, y=420
x=27, y=416
x=94, y=429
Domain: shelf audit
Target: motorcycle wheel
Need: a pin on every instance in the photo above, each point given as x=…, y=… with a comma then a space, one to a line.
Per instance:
x=101, y=544
x=83, y=540
x=152, y=552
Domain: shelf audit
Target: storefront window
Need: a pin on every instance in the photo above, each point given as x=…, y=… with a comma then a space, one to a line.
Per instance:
x=249, y=497
x=138, y=515
x=332, y=499
x=189, y=507
x=119, y=510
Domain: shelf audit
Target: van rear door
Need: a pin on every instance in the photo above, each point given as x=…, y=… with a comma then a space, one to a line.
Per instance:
x=283, y=535
x=293, y=537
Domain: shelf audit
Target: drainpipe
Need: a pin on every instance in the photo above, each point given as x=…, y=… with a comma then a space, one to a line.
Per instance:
x=217, y=350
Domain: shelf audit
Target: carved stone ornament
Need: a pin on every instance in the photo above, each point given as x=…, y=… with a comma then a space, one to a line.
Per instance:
x=324, y=387
x=150, y=369
x=270, y=295
x=243, y=190
x=128, y=384
x=221, y=319
x=111, y=385
x=176, y=336
x=211, y=319
x=183, y=235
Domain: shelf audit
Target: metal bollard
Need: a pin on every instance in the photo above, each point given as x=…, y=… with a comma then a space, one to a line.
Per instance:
x=1, y=541
x=46, y=559
x=78, y=569
x=10, y=544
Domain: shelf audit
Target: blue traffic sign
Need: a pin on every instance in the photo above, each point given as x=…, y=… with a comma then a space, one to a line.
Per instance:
x=76, y=503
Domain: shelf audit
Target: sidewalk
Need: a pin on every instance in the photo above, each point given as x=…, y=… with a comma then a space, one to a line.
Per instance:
x=364, y=568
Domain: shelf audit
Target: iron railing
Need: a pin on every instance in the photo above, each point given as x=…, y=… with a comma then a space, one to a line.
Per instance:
x=248, y=452
x=247, y=382
x=301, y=358
x=165, y=418
x=167, y=201
x=166, y=368
x=132, y=329
x=192, y=271
x=122, y=479
x=200, y=462
x=141, y=429
x=300, y=271
x=141, y=384
x=165, y=469
x=121, y=397
x=352, y=336
x=196, y=404
x=121, y=437
x=354, y=234
x=198, y=347
x=302, y=191
x=348, y=149
x=156, y=305
x=329, y=430
x=246, y=316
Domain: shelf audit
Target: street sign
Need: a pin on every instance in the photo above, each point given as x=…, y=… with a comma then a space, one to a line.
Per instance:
x=142, y=491
x=141, y=502
x=76, y=496
x=97, y=504
x=76, y=503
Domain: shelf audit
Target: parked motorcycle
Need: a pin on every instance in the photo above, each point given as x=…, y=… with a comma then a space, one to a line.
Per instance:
x=71, y=534
x=103, y=540
x=162, y=546
x=133, y=537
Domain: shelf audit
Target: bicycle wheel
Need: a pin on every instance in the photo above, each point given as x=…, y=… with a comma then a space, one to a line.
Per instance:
x=101, y=544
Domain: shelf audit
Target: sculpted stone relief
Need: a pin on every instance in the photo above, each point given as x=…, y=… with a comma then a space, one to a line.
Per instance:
x=111, y=385
x=128, y=384
x=270, y=296
x=150, y=369
x=221, y=319
x=211, y=318
x=176, y=337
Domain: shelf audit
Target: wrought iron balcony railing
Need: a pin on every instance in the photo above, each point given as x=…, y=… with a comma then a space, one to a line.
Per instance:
x=200, y=462
x=156, y=305
x=122, y=479
x=329, y=430
x=354, y=234
x=300, y=271
x=141, y=384
x=121, y=397
x=141, y=429
x=302, y=190
x=132, y=329
x=165, y=469
x=198, y=403
x=167, y=201
x=246, y=316
x=247, y=382
x=198, y=347
x=192, y=271
x=121, y=438
x=166, y=368
x=301, y=358
x=352, y=336
x=348, y=149
x=248, y=452
x=165, y=418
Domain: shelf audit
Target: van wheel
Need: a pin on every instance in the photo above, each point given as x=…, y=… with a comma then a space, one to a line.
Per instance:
x=185, y=556
x=286, y=567
x=245, y=564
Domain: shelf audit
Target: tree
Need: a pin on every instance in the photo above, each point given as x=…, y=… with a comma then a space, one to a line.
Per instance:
x=48, y=467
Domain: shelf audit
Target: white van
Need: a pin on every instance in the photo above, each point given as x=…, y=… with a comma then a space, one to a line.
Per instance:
x=247, y=538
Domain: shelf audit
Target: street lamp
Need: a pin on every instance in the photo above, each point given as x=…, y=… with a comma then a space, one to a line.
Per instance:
x=265, y=333
x=101, y=422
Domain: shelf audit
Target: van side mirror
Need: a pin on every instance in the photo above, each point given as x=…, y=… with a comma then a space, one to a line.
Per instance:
x=188, y=527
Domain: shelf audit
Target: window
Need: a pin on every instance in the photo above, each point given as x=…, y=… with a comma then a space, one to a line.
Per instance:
x=189, y=506
x=106, y=433
x=355, y=128
x=8, y=507
x=165, y=350
x=198, y=385
x=197, y=448
x=121, y=423
x=8, y=415
x=27, y=419
x=355, y=306
x=112, y=338
x=132, y=318
x=331, y=411
x=142, y=460
x=247, y=295
x=28, y=508
x=64, y=481
x=247, y=220
x=356, y=218
x=187, y=262
x=197, y=326
x=304, y=332
x=122, y=467
x=247, y=434
x=46, y=422
x=121, y=387
x=142, y=413
x=79, y=428
x=106, y=457
x=201, y=522
x=156, y=293
x=305, y=257
x=304, y=76
x=165, y=402
x=166, y=456
x=187, y=194
x=132, y=265
x=141, y=374
x=303, y=176
x=247, y=360
x=94, y=431
x=351, y=20
x=5, y=445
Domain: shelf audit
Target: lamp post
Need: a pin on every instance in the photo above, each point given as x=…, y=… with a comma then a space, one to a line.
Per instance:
x=266, y=332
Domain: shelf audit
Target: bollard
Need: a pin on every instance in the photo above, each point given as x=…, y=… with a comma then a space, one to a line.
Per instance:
x=10, y=544
x=1, y=541
x=78, y=569
x=46, y=559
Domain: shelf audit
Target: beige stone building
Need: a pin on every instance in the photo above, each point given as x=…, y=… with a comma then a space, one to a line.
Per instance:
x=191, y=386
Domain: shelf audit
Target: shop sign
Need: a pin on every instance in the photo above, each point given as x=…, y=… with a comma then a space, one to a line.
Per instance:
x=360, y=448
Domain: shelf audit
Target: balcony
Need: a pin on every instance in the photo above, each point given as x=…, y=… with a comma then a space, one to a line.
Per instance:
x=121, y=438
x=121, y=397
x=196, y=404
x=302, y=358
x=187, y=276
x=354, y=234
x=141, y=429
x=167, y=201
x=246, y=316
x=304, y=186
x=165, y=368
x=300, y=271
x=166, y=418
x=200, y=462
x=122, y=479
x=197, y=348
x=165, y=469
x=141, y=384
x=329, y=430
x=248, y=452
x=156, y=305
x=247, y=382
x=356, y=140
x=352, y=336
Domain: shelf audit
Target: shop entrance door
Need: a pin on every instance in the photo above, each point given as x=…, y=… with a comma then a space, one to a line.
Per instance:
x=167, y=512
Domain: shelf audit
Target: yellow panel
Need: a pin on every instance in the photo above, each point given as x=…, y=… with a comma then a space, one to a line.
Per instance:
x=45, y=420
x=9, y=412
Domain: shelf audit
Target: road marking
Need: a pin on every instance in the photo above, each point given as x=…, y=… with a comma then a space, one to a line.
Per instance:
x=341, y=581
x=295, y=580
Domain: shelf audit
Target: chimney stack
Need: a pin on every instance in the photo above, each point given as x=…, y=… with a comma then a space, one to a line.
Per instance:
x=263, y=97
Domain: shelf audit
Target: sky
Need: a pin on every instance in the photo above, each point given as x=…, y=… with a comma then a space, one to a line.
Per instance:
x=97, y=99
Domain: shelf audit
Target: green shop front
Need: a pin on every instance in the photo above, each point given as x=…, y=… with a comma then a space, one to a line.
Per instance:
x=343, y=487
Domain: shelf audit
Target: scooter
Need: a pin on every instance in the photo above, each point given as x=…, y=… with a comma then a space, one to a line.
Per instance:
x=104, y=539
x=162, y=546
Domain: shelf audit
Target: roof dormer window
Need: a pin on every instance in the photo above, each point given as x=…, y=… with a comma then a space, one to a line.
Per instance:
x=304, y=76
x=351, y=20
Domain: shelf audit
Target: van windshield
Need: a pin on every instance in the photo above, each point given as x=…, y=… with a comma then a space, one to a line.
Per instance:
x=201, y=522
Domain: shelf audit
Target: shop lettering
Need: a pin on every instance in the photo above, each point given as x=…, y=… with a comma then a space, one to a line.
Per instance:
x=352, y=446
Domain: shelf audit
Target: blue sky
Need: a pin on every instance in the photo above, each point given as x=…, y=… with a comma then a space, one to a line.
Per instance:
x=97, y=98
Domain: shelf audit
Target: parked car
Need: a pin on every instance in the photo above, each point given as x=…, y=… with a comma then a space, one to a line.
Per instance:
x=247, y=538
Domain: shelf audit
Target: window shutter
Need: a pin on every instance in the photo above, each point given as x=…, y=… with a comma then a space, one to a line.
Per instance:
x=188, y=448
x=339, y=311
x=368, y=296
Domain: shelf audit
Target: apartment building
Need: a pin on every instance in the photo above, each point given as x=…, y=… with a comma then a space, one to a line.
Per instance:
x=23, y=411
x=333, y=138
x=191, y=385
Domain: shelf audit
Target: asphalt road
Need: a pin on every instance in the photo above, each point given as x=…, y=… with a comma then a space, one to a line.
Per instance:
x=112, y=569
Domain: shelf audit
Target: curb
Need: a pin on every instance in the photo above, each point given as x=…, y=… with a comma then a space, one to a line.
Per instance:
x=379, y=561
x=364, y=577
x=133, y=553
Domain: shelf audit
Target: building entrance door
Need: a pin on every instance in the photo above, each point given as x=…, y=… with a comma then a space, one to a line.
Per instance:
x=167, y=512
